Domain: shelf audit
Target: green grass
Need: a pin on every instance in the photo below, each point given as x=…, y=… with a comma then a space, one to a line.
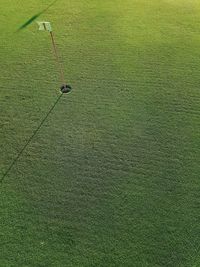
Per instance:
x=112, y=178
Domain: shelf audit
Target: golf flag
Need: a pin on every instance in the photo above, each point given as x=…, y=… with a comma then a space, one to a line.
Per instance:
x=44, y=26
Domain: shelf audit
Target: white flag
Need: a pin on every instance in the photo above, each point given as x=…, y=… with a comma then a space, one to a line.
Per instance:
x=44, y=26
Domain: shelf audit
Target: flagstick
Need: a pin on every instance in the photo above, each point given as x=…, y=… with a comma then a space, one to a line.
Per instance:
x=45, y=25
x=57, y=59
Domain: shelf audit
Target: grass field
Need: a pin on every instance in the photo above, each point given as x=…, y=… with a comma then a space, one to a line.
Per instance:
x=113, y=176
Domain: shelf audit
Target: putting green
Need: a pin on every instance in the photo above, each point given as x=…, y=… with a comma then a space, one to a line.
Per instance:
x=112, y=177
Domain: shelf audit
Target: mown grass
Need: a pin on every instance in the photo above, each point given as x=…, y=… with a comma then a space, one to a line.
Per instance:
x=112, y=178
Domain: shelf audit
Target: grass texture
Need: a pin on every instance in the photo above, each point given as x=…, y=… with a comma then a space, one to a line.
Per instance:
x=112, y=177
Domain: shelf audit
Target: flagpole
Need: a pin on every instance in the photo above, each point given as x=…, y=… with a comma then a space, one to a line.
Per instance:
x=44, y=25
x=57, y=58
